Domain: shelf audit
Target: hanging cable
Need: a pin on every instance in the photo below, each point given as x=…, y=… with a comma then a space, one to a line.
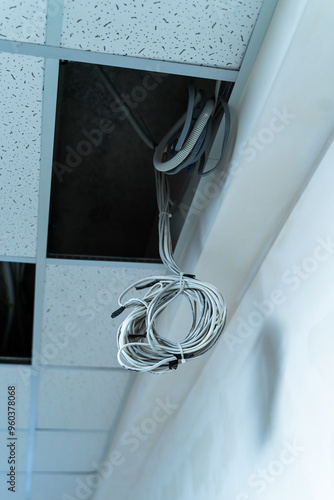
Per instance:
x=140, y=347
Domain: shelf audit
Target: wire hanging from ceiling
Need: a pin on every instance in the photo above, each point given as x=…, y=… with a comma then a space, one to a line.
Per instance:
x=140, y=346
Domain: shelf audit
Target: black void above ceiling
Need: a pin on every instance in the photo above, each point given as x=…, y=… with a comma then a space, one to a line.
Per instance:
x=103, y=201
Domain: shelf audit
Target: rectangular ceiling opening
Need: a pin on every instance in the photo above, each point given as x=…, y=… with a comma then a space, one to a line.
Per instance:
x=103, y=198
x=17, y=288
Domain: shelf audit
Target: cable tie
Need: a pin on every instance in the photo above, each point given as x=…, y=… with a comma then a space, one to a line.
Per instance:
x=173, y=364
x=148, y=285
x=182, y=355
x=118, y=312
x=165, y=213
x=189, y=276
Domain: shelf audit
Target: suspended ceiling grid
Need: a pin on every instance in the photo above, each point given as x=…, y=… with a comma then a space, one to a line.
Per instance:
x=58, y=392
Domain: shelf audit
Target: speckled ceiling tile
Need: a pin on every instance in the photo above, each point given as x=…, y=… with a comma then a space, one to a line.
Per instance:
x=24, y=21
x=209, y=33
x=21, y=116
x=77, y=327
x=80, y=399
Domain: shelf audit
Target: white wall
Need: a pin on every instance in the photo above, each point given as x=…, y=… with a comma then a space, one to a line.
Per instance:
x=260, y=416
x=255, y=398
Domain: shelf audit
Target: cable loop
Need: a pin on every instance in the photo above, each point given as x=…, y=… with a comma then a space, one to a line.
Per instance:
x=140, y=346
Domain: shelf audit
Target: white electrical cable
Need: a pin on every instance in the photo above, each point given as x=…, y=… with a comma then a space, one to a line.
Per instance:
x=140, y=347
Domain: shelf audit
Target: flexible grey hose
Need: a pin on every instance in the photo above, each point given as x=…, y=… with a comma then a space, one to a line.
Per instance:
x=187, y=123
x=189, y=144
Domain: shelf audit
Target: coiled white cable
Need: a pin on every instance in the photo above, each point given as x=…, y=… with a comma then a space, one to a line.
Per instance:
x=140, y=347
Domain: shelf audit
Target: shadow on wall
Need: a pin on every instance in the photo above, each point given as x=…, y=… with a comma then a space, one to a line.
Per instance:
x=268, y=359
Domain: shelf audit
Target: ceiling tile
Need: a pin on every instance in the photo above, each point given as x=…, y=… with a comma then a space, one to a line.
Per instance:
x=210, y=33
x=77, y=327
x=80, y=399
x=21, y=116
x=23, y=22
x=71, y=451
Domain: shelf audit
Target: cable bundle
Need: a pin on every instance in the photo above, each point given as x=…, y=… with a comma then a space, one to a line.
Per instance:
x=140, y=347
x=188, y=142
